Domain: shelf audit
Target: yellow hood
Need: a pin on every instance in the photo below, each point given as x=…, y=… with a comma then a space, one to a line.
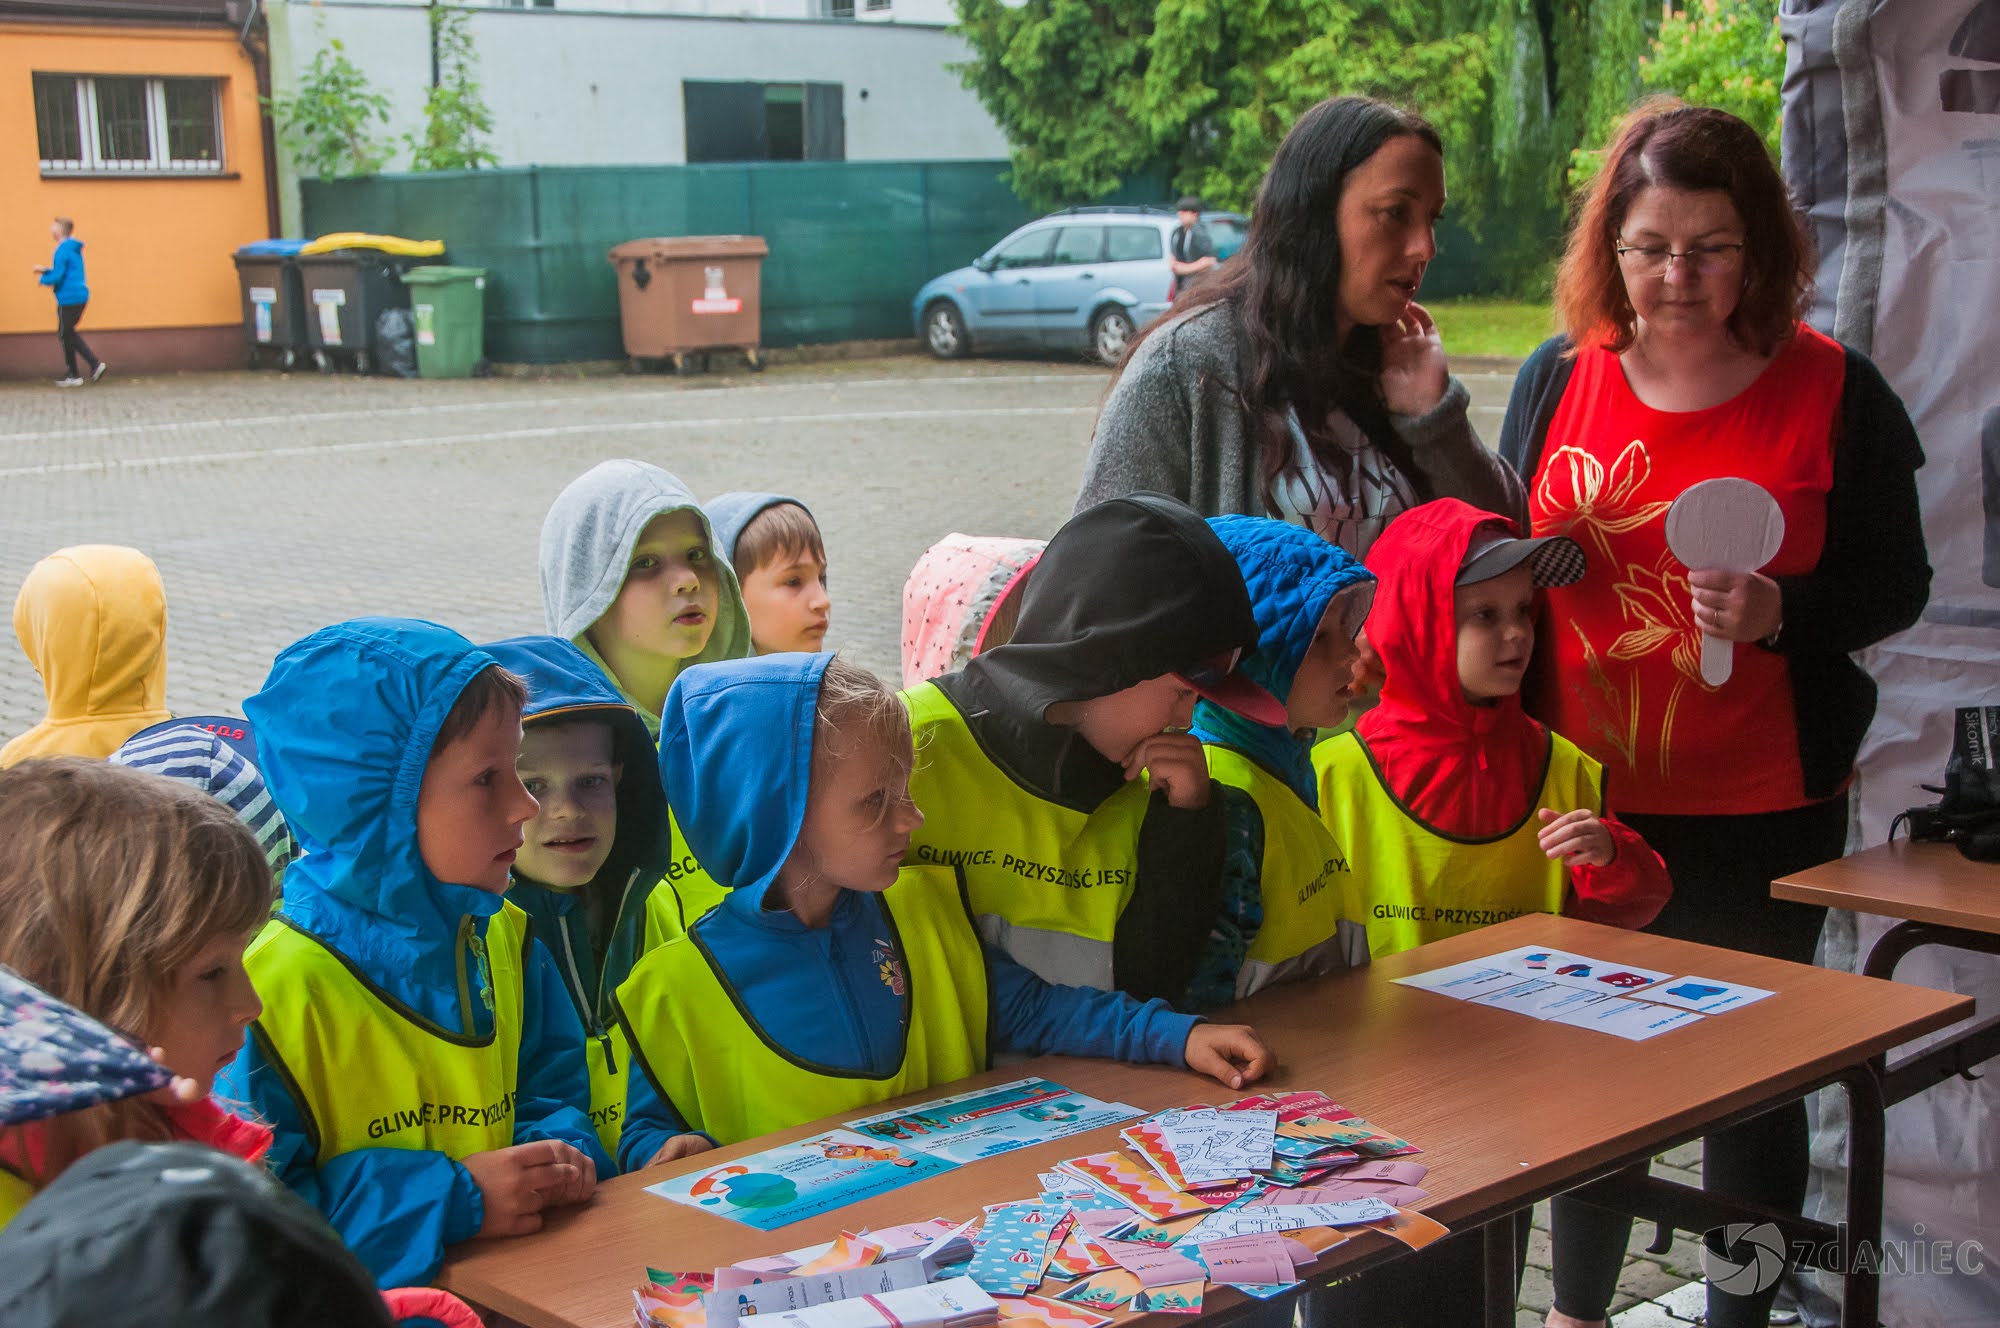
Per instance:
x=93, y=621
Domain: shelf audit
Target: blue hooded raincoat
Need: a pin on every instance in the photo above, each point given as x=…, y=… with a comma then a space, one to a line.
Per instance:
x=345, y=724
x=736, y=758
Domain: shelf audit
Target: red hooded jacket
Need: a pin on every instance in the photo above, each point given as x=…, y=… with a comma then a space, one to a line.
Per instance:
x=1466, y=769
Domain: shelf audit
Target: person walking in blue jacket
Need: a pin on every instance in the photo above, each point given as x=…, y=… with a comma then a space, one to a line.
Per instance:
x=418, y=1057
x=65, y=275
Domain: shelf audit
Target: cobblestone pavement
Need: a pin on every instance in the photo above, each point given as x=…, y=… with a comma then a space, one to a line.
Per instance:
x=277, y=504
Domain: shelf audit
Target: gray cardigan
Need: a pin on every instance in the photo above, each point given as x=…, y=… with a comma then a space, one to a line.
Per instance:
x=1173, y=424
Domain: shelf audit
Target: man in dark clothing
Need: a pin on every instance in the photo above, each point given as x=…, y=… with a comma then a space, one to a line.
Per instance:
x=1193, y=253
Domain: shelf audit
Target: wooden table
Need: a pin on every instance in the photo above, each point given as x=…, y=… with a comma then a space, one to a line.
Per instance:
x=1507, y=1109
x=1943, y=898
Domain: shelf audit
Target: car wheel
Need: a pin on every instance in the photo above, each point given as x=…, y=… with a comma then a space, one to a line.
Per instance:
x=1110, y=333
x=944, y=332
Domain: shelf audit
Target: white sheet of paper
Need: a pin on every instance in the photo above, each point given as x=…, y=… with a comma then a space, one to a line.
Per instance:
x=1635, y=1021
x=1211, y=1145
x=1706, y=995
x=1464, y=981
x=1541, y=999
x=1230, y=1222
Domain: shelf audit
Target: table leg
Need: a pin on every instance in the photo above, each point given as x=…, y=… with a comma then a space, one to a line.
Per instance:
x=1498, y=1272
x=1899, y=940
x=1867, y=1128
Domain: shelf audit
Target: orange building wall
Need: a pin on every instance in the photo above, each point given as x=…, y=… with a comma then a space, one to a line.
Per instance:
x=156, y=251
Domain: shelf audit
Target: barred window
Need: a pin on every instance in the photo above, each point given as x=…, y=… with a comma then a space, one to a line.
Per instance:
x=117, y=124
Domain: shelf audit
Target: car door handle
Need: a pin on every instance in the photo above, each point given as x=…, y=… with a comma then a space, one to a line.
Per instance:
x=1021, y=281
x=1090, y=276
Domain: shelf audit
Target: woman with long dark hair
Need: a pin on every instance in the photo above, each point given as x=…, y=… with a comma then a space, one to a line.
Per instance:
x=1302, y=380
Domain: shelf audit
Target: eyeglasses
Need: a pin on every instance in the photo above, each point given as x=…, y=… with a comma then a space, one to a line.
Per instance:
x=1211, y=673
x=1705, y=259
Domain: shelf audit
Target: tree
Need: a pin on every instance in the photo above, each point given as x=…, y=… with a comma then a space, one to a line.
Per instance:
x=1722, y=53
x=1064, y=80
x=329, y=124
x=457, y=121
x=1226, y=82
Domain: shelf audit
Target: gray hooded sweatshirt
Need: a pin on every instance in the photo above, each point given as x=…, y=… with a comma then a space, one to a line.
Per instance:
x=586, y=550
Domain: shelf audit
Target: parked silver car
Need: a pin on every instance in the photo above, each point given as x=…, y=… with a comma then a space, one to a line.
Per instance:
x=1083, y=280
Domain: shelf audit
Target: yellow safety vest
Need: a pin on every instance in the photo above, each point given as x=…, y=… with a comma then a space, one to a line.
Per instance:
x=727, y=1077
x=367, y=1071
x=1312, y=912
x=1422, y=884
x=1047, y=882
x=15, y=1192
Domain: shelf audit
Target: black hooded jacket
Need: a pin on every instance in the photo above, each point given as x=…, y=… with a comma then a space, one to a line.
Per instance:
x=1127, y=591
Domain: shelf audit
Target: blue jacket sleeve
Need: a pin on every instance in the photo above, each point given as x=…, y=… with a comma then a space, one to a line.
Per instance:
x=62, y=267
x=396, y=1208
x=650, y=1118
x=1031, y=1016
x=553, y=1091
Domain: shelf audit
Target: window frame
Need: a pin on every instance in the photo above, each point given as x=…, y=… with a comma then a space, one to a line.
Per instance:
x=1159, y=250
x=159, y=161
x=1056, y=255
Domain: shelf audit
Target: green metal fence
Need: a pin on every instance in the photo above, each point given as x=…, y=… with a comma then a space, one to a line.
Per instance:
x=850, y=241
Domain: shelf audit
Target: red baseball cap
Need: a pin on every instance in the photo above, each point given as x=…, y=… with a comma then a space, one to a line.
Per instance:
x=1218, y=681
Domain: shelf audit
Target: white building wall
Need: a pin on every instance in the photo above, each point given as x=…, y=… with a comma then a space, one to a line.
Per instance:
x=574, y=87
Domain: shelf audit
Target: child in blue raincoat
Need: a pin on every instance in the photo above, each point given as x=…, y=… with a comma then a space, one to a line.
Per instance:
x=417, y=1054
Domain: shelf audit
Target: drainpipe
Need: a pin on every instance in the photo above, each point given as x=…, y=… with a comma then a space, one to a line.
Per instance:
x=260, y=62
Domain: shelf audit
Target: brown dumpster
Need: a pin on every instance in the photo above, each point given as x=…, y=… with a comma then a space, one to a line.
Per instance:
x=685, y=295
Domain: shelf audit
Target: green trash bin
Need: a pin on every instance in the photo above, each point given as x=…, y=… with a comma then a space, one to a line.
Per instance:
x=449, y=305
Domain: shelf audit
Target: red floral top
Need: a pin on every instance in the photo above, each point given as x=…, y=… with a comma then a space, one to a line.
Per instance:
x=1624, y=656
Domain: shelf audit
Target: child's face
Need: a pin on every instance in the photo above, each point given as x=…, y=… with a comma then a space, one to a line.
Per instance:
x=788, y=603
x=1496, y=634
x=1117, y=723
x=1324, y=683
x=569, y=770
x=209, y=1004
x=859, y=818
x=472, y=805
x=667, y=605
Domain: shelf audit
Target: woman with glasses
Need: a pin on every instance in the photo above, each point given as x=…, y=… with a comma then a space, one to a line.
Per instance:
x=1685, y=359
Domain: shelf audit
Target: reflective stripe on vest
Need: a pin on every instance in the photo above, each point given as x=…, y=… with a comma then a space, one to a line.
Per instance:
x=1312, y=910
x=696, y=1039
x=1423, y=885
x=14, y=1195
x=366, y=1071
x=1047, y=882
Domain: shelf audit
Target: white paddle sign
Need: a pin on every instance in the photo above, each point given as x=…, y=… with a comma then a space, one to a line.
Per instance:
x=1724, y=525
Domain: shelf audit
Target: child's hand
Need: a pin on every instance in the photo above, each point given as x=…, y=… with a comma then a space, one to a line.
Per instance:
x=1230, y=1054
x=1577, y=837
x=517, y=1183
x=1175, y=764
x=680, y=1146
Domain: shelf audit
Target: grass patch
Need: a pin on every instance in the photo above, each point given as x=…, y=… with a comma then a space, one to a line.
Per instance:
x=1478, y=326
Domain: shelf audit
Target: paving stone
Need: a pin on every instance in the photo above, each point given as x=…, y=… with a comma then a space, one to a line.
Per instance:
x=277, y=503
